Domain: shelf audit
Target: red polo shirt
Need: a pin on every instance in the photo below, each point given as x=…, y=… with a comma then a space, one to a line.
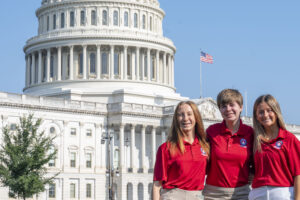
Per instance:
x=185, y=171
x=278, y=162
x=231, y=155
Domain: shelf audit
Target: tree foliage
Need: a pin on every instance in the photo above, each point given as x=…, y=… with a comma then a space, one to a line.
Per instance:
x=24, y=154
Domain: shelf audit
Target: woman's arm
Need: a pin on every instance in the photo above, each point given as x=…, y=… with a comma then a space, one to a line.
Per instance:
x=297, y=187
x=156, y=190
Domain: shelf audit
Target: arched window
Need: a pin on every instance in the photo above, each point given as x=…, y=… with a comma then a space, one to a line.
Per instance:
x=51, y=66
x=150, y=191
x=54, y=21
x=92, y=63
x=72, y=21
x=135, y=19
x=144, y=21
x=126, y=18
x=104, y=17
x=129, y=191
x=80, y=61
x=104, y=64
x=116, y=18
x=82, y=18
x=140, y=191
x=93, y=17
x=62, y=20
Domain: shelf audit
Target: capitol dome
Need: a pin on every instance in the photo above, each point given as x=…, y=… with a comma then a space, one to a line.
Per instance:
x=91, y=49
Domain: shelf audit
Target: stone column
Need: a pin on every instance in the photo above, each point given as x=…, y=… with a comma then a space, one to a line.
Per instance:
x=143, y=134
x=27, y=80
x=153, y=149
x=165, y=68
x=40, y=67
x=138, y=63
x=125, y=63
x=121, y=139
x=71, y=67
x=172, y=82
x=157, y=66
x=169, y=70
x=84, y=66
x=148, y=65
x=58, y=63
x=112, y=65
x=132, y=148
x=48, y=65
x=33, y=68
x=98, y=61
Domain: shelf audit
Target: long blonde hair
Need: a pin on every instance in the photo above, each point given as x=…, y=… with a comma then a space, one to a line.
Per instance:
x=259, y=131
x=175, y=137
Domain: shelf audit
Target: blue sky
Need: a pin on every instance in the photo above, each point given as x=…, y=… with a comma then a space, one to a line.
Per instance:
x=255, y=45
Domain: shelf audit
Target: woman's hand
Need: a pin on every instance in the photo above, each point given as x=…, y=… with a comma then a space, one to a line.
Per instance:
x=156, y=190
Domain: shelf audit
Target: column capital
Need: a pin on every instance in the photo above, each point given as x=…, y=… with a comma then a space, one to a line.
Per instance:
x=71, y=46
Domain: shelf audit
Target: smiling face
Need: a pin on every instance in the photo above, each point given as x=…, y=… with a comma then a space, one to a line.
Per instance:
x=266, y=116
x=186, y=118
x=231, y=112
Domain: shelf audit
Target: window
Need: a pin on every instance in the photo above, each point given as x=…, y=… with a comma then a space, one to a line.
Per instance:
x=82, y=18
x=73, y=159
x=152, y=65
x=145, y=66
x=116, y=63
x=126, y=18
x=135, y=20
x=72, y=21
x=116, y=18
x=151, y=26
x=89, y=132
x=93, y=17
x=92, y=63
x=88, y=190
x=62, y=20
x=13, y=127
x=104, y=17
x=44, y=67
x=128, y=65
x=73, y=131
x=52, y=130
x=140, y=191
x=51, y=66
x=144, y=22
x=72, y=190
x=88, y=160
x=52, y=190
x=48, y=23
x=80, y=67
x=104, y=63
x=51, y=162
x=54, y=21
x=68, y=65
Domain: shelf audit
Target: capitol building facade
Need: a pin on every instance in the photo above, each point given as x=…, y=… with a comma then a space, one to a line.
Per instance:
x=100, y=75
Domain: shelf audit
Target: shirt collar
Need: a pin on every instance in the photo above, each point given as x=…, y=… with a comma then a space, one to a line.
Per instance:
x=281, y=134
x=225, y=130
x=196, y=141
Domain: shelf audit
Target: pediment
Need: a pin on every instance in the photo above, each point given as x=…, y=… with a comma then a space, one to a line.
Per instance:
x=208, y=109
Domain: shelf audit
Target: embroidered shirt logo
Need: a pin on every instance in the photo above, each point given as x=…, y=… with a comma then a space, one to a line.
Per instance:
x=243, y=143
x=278, y=144
x=203, y=153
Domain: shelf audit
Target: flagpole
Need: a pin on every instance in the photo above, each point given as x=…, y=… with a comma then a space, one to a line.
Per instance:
x=201, y=92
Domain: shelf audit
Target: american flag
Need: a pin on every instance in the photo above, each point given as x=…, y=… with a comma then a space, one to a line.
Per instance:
x=204, y=57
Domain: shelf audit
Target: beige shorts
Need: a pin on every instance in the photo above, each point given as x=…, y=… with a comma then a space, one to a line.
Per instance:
x=221, y=193
x=179, y=194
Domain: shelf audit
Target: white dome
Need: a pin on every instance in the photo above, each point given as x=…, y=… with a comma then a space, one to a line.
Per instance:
x=97, y=47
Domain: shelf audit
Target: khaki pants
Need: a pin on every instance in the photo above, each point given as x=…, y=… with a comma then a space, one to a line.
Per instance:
x=179, y=194
x=221, y=193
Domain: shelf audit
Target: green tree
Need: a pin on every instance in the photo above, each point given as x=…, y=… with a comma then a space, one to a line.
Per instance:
x=24, y=153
